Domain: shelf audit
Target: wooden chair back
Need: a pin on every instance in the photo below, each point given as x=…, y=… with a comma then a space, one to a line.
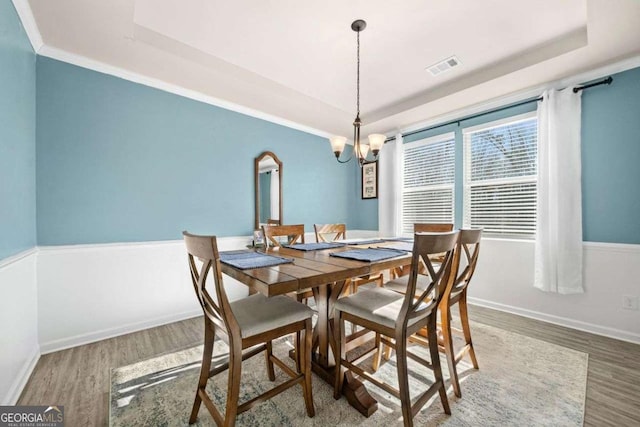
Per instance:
x=293, y=233
x=442, y=274
x=330, y=232
x=469, y=247
x=204, y=261
x=423, y=228
x=432, y=227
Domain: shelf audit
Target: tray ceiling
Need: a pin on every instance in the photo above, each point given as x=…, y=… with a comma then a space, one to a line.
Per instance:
x=296, y=59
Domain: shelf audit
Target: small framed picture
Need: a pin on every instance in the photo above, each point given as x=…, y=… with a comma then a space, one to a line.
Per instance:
x=370, y=180
x=258, y=239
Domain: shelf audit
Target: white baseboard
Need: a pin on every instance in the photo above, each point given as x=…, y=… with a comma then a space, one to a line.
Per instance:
x=21, y=379
x=561, y=321
x=88, y=338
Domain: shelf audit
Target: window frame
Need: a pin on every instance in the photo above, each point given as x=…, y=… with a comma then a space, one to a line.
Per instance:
x=466, y=174
x=442, y=137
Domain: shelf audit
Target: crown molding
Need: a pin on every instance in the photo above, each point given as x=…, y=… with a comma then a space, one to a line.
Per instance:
x=104, y=68
x=29, y=23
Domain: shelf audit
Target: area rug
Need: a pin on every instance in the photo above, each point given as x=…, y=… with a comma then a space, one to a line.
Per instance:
x=521, y=381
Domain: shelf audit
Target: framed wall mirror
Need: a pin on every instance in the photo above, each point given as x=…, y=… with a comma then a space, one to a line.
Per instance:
x=268, y=189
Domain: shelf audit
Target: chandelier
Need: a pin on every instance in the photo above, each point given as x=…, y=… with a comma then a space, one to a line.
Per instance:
x=361, y=150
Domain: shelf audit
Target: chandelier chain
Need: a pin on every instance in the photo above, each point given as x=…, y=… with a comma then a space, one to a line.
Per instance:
x=358, y=77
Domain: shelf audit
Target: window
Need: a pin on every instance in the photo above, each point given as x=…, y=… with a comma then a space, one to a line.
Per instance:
x=428, y=177
x=500, y=176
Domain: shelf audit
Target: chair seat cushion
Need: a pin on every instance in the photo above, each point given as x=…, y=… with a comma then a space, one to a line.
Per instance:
x=257, y=314
x=400, y=284
x=378, y=305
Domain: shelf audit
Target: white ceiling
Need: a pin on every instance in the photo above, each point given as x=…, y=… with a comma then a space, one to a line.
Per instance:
x=295, y=59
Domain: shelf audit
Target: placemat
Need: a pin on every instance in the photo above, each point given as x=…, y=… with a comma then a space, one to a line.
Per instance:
x=245, y=260
x=369, y=254
x=314, y=246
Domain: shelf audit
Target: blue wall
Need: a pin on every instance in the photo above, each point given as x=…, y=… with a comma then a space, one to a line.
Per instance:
x=610, y=158
x=17, y=135
x=119, y=161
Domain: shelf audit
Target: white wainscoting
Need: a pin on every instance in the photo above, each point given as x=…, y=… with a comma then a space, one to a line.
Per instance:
x=88, y=293
x=19, y=350
x=504, y=279
x=93, y=292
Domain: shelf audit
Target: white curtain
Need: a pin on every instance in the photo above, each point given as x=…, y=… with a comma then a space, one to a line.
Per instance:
x=274, y=199
x=558, y=249
x=390, y=188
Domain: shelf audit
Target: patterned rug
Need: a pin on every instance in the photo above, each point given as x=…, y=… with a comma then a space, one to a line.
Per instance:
x=521, y=381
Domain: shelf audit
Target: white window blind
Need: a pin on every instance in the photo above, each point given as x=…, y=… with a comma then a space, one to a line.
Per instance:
x=428, y=178
x=500, y=176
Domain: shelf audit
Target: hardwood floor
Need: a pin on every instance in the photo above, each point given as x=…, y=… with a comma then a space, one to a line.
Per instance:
x=78, y=378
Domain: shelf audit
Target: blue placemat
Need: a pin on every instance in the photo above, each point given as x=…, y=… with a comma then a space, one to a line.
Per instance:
x=314, y=246
x=369, y=254
x=245, y=260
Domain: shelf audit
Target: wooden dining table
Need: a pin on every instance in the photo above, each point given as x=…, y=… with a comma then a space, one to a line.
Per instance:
x=325, y=275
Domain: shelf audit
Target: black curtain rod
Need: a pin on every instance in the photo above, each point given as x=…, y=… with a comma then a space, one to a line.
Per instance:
x=473, y=116
x=577, y=89
x=606, y=81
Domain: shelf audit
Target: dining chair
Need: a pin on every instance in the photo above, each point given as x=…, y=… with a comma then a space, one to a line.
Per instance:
x=469, y=248
x=469, y=241
x=273, y=233
x=423, y=227
x=432, y=227
x=420, y=227
x=397, y=316
x=335, y=233
x=249, y=326
x=293, y=234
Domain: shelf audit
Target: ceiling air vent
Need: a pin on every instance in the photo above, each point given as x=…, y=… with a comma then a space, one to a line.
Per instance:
x=443, y=66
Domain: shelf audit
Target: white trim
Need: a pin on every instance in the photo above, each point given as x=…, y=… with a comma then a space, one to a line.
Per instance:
x=29, y=23
x=500, y=122
x=442, y=137
x=222, y=241
x=561, y=321
x=88, y=338
x=596, y=246
x=21, y=379
x=233, y=242
x=612, y=247
x=17, y=257
x=101, y=67
x=513, y=98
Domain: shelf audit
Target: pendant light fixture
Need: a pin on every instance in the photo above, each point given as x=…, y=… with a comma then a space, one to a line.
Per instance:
x=361, y=150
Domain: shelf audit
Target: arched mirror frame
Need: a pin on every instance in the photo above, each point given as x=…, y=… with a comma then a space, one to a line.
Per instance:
x=257, y=160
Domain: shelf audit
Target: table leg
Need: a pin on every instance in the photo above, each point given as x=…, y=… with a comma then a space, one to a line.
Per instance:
x=323, y=362
x=325, y=310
